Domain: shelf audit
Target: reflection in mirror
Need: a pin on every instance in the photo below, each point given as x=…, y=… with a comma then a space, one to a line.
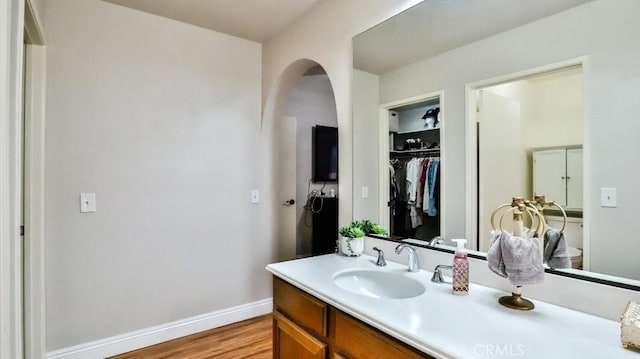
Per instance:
x=571, y=85
x=414, y=162
x=530, y=131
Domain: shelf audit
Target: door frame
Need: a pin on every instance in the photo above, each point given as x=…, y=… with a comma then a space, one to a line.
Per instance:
x=11, y=64
x=471, y=140
x=383, y=159
x=22, y=328
x=34, y=203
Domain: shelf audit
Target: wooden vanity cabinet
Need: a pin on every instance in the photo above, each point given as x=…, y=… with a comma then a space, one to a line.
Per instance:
x=305, y=327
x=291, y=341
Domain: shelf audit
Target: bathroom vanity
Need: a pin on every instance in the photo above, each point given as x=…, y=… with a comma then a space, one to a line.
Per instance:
x=319, y=314
x=306, y=327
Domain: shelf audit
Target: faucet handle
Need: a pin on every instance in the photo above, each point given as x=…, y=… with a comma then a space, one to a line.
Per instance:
x=437, y=273
x=380, y=262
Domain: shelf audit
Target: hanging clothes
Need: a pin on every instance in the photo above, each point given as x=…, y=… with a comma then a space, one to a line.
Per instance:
x=421, y=183
x=432, y=185
x=414, y=193
x=401, y=221
x=413, y=175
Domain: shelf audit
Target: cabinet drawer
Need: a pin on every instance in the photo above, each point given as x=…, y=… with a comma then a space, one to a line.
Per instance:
x=356, y=340
x=290, y=341
x=300, y=307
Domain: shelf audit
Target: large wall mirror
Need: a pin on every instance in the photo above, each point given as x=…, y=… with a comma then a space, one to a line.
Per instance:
x=532, y=98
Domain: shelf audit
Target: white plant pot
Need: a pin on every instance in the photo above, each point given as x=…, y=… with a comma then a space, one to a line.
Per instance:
x=351, y=247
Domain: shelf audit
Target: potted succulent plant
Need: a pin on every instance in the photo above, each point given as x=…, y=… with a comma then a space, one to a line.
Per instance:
x=351, y=240
x=370, y=227
x=352, y=236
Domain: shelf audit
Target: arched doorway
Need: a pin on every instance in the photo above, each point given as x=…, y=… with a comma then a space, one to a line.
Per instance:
x=301, y=100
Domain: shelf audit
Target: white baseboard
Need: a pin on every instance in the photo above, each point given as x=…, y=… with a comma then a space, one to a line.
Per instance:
x=142, y=338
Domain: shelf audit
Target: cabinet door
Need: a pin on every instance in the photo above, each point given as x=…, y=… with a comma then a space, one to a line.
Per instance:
x=356, y=340
x=549, y=175
x=574, y=178
x=291, y=341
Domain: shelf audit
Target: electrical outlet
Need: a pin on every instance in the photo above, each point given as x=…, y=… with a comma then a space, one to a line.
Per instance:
x=255, y=196
x=87, y=202
x=608, y=197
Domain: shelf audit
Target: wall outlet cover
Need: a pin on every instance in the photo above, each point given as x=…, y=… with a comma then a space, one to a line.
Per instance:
x=255, y=196
x=87, y=202
x=608, y=197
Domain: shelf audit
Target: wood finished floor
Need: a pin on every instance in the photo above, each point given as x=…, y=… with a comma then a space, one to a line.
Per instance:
x=247, y=339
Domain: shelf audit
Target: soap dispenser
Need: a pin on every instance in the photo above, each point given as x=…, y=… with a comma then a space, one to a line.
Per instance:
x=460, y=269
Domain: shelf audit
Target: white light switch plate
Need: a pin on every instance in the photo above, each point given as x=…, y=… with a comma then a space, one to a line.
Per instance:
x=255, y=196
x=87, y=202
x=608, y=197
x=365, y=192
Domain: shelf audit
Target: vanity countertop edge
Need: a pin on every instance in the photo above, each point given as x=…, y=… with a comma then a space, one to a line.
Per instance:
x=448, y=326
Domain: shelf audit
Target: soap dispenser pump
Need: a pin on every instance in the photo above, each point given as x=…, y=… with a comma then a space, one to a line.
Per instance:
x=460, y=269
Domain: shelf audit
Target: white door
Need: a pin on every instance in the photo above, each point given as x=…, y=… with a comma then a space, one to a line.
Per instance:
x=501, y=158
x=286, y=186
x=549, y=175
x=574, y=178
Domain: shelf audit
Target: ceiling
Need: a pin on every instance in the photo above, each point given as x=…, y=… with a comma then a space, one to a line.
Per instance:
x=437, y=26
x=255, y=20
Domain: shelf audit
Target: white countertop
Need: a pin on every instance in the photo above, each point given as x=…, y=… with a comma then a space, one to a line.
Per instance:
x=449, y=326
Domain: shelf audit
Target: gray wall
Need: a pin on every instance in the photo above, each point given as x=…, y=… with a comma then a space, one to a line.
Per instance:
x=161, y=120
x=312, y=103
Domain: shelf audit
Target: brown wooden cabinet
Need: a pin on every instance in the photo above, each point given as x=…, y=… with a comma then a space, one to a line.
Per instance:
x=294, y=342
x=305, y=327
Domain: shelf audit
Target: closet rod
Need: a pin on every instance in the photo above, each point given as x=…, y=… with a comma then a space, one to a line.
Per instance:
x=431, y=151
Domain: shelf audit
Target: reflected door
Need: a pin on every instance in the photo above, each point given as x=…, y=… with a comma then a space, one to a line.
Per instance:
x=501, y=159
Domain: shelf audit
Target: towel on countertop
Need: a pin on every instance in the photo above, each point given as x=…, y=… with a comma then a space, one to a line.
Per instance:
x=556, y=253
x=517, y=258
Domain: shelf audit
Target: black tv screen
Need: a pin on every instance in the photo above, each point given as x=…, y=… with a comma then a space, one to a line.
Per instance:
x=325, y=154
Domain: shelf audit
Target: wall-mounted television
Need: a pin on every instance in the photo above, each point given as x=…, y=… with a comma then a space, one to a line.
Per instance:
x=325, y=154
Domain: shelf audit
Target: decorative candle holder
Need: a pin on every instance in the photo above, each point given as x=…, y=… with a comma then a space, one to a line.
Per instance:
x=630, y=326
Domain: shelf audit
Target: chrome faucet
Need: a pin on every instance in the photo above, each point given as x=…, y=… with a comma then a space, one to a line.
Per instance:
x=380, y=262
x=414, y=266
x=437, y=273
x=436, y=240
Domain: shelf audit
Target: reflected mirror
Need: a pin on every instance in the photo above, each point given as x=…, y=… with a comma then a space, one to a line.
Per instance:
x=540, y=100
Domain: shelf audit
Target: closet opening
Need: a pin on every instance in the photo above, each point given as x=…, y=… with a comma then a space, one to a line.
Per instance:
x=414, y=174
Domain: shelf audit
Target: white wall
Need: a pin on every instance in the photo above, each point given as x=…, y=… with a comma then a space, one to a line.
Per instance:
x=552, y=114
x=39, y=5
x=611, y=77
x=311, y=102
x=555, y=115
x=365, y=171
x=161, y=120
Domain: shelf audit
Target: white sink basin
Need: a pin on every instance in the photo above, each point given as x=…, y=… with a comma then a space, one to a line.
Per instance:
x=378, y=284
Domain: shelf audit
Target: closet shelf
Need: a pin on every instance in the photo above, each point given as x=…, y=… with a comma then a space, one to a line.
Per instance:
x=425, y=150
x=417, y=131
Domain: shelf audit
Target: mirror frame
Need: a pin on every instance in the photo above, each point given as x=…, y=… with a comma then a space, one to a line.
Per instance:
x=589, y=278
